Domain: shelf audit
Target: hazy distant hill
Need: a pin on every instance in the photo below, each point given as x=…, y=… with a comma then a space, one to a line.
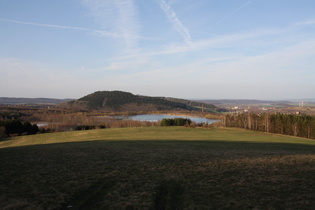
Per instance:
x=8, y=100
x=242, y=101
x=124, y=101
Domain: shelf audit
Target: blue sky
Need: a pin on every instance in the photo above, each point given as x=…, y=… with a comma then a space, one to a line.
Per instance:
x=205, y=49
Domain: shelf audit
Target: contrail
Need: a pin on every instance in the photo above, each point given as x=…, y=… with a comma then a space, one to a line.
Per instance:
x=230, y=14
x=126, y=18
x=120, y=16
x=100, y=32
x=171, y=15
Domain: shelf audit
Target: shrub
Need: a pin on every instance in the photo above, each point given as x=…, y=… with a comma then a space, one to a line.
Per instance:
x=2, y=131
x=175, y=122
x=16, y=127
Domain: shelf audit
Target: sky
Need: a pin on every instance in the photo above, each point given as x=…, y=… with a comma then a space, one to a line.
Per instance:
x=205, y=49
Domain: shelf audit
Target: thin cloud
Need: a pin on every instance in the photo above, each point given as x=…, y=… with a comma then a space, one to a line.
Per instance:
x=306, y=22
x=232, y=13
x=97, y=32
x=171, y=15
x=120, y=16
x=105, y=33
x=213, y=42
x=127, y=20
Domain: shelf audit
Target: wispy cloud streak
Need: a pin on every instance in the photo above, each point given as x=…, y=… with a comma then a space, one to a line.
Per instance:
x=119, y=15
x=98, y=32
x=171, y=15
x=105, y=33
x=232, y=13
x=218, y=42
x=128, y=24
x=306, y=22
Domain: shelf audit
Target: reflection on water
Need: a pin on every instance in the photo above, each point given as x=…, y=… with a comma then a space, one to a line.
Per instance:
x=155, y=118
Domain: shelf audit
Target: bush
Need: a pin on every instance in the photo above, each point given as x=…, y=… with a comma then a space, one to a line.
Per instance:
x=175, y=122
x=85, y=127
x=2, y=132
x=16, y=127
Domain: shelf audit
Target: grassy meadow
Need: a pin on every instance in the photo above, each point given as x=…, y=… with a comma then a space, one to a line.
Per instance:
x=157, y=168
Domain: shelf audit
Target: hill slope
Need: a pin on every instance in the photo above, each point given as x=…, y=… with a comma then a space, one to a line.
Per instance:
x=9, y=100
x=124, y=101
x=242, y=101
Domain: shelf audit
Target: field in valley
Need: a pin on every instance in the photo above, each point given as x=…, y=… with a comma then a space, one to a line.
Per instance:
x=157, y=168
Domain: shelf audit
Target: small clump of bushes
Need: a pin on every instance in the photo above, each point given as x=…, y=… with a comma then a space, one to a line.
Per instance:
x=175, y=122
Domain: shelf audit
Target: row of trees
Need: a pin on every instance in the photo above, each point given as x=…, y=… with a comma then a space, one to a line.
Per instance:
x=288, y=124
x=16, y=127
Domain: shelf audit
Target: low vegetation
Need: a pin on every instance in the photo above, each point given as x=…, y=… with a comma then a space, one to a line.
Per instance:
x=176, y=122
x=157, y=168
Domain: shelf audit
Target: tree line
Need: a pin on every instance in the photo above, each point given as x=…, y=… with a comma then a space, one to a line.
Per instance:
x=287, y=124
x=16, y=127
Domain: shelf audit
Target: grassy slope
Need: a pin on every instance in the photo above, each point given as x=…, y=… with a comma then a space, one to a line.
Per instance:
x=154, y=133
x=170, y=168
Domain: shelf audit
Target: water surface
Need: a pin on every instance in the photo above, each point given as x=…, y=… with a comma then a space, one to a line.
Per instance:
x=155, y=118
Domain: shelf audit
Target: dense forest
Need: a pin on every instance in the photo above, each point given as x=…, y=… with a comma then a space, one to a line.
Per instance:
x=288, y=124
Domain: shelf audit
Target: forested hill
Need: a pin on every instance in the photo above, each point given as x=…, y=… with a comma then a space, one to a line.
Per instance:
x=124, y=101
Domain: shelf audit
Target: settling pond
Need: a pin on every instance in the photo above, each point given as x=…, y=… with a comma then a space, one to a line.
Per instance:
x=155, y=118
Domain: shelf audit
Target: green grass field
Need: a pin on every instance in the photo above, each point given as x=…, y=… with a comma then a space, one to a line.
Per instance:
x=157, y=168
